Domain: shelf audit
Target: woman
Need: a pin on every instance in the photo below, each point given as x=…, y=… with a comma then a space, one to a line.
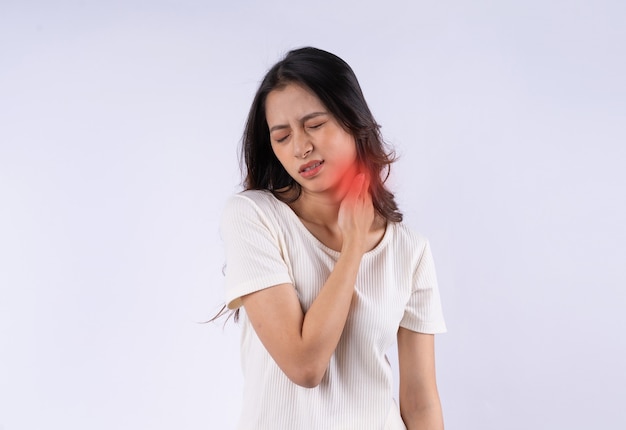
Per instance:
x=319, y=259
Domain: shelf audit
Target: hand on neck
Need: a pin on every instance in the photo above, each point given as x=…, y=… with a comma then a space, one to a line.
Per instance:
x=322, y=208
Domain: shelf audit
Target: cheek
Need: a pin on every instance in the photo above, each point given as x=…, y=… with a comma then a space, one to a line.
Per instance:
x=349, y=164
x=279, y=153
x=348, y=152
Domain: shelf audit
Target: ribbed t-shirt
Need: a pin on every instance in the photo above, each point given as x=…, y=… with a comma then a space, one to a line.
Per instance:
x=266, y=244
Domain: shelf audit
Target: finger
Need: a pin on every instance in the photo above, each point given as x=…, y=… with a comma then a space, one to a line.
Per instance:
x=366, y=185
x=363, y=186
x=356, y=186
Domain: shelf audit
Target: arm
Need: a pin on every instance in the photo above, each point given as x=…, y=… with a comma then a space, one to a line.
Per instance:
x=419, y=399
x=302, y=343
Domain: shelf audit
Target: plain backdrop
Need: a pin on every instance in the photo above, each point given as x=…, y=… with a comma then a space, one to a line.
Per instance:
x=119, y=130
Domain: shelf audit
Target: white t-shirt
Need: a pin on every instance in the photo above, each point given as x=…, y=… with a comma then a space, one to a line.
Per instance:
x=266, y=245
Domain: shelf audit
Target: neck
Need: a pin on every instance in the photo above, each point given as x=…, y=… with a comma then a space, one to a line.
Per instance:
x=322, y=208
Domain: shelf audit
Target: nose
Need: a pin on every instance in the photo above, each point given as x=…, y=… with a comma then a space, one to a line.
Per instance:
x=302, y=145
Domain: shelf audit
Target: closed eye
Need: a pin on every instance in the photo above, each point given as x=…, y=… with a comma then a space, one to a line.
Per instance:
x=282, y=139
x=317, y=125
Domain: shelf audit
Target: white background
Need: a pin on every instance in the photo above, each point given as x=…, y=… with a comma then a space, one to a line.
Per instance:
x=119, y=128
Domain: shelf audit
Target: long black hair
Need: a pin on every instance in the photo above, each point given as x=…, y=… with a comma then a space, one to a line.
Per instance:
x=332, y=80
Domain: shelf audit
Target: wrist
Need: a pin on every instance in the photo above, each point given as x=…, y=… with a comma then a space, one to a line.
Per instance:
x=353, y=246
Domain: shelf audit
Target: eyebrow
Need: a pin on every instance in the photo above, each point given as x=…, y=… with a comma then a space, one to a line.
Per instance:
x=303, y=119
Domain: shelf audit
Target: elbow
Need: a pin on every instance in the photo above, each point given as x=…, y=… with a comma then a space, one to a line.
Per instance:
x=417, y=413
x=306, y=382
x=307, y=376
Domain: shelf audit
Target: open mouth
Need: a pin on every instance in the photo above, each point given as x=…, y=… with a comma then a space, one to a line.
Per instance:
x=311, y=166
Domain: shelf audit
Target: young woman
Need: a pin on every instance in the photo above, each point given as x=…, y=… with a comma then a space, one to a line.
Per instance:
x=317, y=256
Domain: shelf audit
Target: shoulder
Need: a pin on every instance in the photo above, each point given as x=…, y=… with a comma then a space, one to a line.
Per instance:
x=261, y=198
x=261, y=201
x=403, y=235
x=252, y=207
x=406, y=241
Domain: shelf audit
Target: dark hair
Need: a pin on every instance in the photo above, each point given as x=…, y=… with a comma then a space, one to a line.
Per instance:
x=332, y=80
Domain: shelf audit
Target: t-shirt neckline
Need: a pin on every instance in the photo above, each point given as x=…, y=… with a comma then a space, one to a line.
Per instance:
x=300, y=225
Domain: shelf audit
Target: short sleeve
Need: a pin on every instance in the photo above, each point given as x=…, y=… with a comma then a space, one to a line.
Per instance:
x=423, y=311
x=254, y=259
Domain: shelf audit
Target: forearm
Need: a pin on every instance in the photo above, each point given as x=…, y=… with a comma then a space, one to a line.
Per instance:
x=301, y=343
x=324, y=321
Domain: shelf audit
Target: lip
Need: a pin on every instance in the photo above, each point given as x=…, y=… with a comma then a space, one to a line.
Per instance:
x=311, y=168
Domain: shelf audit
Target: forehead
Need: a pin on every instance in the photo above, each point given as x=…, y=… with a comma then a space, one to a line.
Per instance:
x=291, y=102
